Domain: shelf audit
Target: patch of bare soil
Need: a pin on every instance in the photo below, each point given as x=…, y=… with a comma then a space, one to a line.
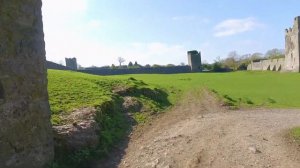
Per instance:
x=198, y=132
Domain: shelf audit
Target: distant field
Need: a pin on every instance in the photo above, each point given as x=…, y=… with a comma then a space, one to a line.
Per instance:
x=268, y=89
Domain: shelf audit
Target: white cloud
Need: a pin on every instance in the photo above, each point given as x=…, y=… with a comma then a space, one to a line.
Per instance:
x=235, y=26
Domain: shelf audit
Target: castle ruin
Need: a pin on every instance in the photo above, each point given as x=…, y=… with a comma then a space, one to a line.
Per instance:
x=71, y=63
x=194, y=60
x=292, y=53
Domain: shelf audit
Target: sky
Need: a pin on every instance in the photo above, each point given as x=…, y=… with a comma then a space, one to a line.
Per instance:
x=97, y=32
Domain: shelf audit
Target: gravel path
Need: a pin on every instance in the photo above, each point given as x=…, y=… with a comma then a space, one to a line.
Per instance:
x=198, y=132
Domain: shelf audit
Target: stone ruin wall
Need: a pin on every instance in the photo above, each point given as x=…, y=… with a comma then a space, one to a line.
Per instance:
x=71, y=63
x=25, y=128
x=291, y=61
x=194, y=60
x=267, y=65
x=292, y=47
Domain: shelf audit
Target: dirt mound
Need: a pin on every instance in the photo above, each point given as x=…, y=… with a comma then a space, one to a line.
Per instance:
x=79, y=131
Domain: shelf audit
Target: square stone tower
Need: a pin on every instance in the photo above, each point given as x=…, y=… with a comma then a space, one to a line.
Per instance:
x=194, y=59
x=292, y=47
x=71, y=63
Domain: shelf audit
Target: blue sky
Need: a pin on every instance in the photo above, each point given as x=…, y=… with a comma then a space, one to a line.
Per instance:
x=97, y=32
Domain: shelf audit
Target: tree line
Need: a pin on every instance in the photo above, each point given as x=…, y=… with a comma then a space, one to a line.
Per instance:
x=235, y=61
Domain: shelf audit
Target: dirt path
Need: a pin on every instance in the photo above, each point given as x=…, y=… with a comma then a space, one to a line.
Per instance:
x=200, y=133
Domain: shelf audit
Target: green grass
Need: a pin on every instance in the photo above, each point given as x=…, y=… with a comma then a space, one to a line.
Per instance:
x=71, y=90
x=267, y=89
x=295, y=133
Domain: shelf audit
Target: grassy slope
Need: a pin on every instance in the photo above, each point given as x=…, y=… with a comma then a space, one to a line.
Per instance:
x=269, y=89
x=71, y=90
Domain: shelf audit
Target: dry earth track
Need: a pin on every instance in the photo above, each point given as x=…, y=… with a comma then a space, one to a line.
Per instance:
x=198, y=132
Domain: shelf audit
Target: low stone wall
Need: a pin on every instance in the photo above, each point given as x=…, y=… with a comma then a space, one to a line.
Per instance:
x=158, y=70
x=265, y=65
x=52, y=65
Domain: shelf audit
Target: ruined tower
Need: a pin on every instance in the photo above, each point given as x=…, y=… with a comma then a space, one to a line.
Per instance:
x=292, y=48
x=25, y=129
x=194, y=59
x=71, y=63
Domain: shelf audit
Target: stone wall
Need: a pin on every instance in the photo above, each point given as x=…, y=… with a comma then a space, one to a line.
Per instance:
x=267, y=65
x=52, y=65
x=291, y=62
x=194, y=60
x=71, y=63
x=25, y=129
x=292, y=47
x=158, y=70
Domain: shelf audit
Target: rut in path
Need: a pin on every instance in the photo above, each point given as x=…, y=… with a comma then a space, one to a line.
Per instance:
x=198, y=132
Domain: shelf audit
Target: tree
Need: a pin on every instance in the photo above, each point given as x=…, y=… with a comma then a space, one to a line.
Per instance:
x=256, y=56
x=121, y=60
x=113, y=66
x=156, y=66
x=231, y=61
x=136, y=64
x=79, y=67
x=130, y=64
x=274, y=53
x=170, y=65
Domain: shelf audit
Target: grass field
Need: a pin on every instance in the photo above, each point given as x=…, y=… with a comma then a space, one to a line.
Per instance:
x=267, y=89
x=71, y=90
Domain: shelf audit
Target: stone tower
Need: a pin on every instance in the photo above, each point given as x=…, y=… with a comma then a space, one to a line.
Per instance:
x=292, y=48
x=71, y=63
x=194, y=59
x=25, y=128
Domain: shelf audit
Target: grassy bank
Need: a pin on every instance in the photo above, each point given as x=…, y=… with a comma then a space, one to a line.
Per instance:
x=69, y=91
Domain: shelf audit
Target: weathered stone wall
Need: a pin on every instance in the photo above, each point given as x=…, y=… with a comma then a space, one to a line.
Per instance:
x=267, y=65
x=255, y=66
x=52, y=65
x=25, y=129
x=158, y=70
x=291, y=62
x=292, y=48
x=71, y=63
x=194, y=60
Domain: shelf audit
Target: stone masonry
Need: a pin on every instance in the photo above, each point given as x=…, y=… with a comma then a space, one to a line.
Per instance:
x=71, y=63
x=25, y=131
x=194, y=60
x=292, y=43
x=292, y=53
